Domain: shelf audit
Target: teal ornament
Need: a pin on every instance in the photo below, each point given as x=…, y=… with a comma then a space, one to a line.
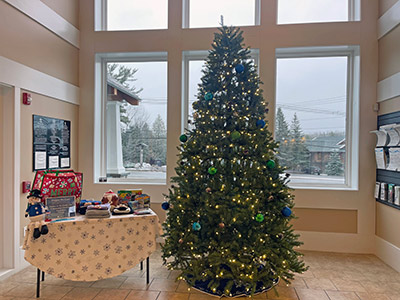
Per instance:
x=286, y=211
x=212, y=170
x=165, y=205
x=260, y=218
x=260, y=123
x=209, y=96
x=183, y=138
x=239, y=68
x=196, y=226
x=271, y=164
x=235, y=135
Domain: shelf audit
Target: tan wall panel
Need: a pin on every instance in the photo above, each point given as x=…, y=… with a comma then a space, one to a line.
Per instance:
x=325, y=220
x=389, y=54
x=27, y=42
x=384, y=5
x=389, y=106
x=388, y=223
x=68, y=9
x=48, y=107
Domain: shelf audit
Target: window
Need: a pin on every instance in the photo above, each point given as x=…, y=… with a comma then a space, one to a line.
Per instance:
x=317, y=115
x=313, y=11
x=131, y=15
x=193, y=63
x=131, y=115
x=207, y=13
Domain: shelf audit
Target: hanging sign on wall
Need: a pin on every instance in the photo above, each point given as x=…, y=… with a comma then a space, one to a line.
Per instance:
x=51, y=143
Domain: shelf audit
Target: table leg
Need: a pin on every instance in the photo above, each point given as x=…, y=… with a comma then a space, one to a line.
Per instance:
x=42, y=275
x=147, y=270
x=141, y=266
x=38, y=284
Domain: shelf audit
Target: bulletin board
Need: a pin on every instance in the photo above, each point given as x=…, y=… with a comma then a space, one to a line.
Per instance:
x=51, y=143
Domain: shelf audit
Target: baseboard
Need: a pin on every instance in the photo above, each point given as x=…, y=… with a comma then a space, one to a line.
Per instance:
x=387, y=252
x=336, y=242
x=21, y=264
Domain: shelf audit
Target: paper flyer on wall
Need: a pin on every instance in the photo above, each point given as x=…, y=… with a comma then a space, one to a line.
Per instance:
x=377, y=190
x=394, y=159
x=381, y=137
x=397, y=195
x=393, y=132
x=380, y=158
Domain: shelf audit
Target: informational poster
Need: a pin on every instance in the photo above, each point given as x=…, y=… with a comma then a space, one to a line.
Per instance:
x=61, y=207
x=51, y=143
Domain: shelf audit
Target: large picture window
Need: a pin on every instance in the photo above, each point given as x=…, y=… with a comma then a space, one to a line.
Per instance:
x=207, y=13
x=316, y=113
x=134, y=104
x=313, y=11
x=121, y=15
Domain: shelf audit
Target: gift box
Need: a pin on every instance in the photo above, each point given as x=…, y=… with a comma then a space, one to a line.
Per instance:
x=127, y=195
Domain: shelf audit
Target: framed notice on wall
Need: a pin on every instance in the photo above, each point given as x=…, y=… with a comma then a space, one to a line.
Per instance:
x=51, y=143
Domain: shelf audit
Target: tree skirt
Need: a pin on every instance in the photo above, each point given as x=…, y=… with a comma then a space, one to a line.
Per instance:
x=236, y=291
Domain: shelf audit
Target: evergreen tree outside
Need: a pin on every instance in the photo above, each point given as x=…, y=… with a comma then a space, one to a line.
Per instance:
x=335, y=165
x=298, y=154
x=159, y=142
x=228, y=223
x=282, y=135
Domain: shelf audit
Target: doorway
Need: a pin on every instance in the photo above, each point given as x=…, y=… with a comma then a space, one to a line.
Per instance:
x=6, y=156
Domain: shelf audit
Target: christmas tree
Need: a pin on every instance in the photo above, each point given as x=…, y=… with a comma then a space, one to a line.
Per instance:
x=229, y=209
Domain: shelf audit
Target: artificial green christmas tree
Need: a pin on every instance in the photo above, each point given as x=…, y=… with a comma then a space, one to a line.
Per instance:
x=229, y=209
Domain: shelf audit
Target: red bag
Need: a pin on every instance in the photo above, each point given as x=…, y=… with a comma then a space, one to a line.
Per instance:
x=55, y=183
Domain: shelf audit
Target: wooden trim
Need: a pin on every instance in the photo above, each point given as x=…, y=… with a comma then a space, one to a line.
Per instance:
x=389, y=20
x=389, y=88
x=16, y=74
x=44, y=15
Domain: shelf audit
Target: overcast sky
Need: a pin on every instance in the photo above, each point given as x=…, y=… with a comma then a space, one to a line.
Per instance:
x=314, y=88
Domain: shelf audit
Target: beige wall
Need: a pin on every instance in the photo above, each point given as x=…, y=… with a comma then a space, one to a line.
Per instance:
x=384, y=5
x=267, y=37
x=1, y=172
x=68, y=9
x=388, y=218
x=388, y=223
x=48, y=107
x=27, y=42
x=389, y=49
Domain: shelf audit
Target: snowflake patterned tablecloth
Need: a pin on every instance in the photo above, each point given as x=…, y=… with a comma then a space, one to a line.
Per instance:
x=92, y=249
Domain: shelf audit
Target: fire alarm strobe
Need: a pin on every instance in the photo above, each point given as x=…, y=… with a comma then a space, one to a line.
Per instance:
x=26, y=98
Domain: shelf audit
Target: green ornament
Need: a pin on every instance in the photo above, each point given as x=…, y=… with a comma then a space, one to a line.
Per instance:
x=208, y=96
x=212, y=170
x=235, y=135
x=183, y=138
x=271, y=164
x=260, y=218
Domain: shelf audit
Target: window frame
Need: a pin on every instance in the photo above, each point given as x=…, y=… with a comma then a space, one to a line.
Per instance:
x=352, y=108
x=186, y=15
x=100, y=120
x=354, y=14
x=199, y=55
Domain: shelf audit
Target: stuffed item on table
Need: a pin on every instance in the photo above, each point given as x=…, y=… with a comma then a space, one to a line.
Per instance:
x=110, y=197
x=37, y=213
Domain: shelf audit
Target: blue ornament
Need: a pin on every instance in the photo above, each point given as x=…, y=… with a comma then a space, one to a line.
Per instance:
x=239, y=68
x=196, y=226
x=286, y=211
x=165, y=205
x=260, y=123
x=209, y=96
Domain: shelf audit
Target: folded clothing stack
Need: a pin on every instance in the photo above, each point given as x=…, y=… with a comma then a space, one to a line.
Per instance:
x=98, y=211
